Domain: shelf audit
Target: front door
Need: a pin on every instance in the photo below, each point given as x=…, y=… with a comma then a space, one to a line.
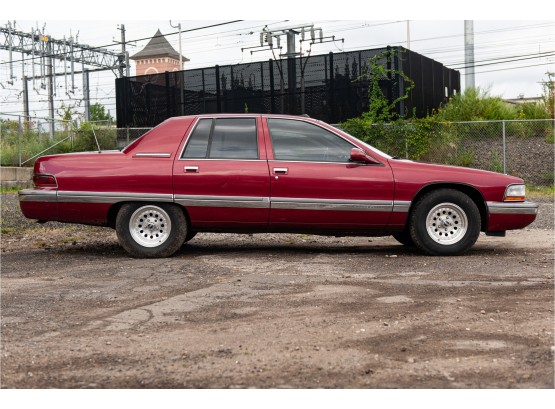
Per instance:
x=314, y=185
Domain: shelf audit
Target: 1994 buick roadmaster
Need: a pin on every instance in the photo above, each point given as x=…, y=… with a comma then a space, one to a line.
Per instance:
x=270, y=173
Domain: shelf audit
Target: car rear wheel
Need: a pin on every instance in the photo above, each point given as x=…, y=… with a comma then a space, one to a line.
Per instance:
x=445, y=222
x=151, y=230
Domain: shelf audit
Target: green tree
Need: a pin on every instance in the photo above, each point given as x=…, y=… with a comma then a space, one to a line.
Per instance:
x=66, y=112
x=98, y=113
x=549, y=94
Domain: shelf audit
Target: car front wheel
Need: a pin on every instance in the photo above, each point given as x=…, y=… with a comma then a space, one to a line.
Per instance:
x=151, y=230
x=445, y=222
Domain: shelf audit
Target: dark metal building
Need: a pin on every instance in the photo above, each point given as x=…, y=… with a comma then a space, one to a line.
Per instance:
x=329, y=87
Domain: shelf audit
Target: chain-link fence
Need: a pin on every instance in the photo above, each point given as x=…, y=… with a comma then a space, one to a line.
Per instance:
x=22, y=139
x=522, y=148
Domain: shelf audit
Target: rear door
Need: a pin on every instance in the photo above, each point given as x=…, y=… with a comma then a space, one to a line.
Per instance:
x=222, y=175
x=314, y=185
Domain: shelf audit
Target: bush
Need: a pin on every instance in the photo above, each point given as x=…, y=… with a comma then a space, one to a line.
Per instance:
x=85, y=138
x=31, y=143
x=475, y=104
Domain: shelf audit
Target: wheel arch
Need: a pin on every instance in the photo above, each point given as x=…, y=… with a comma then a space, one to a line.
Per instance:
x=114, y=209
x=469, y=190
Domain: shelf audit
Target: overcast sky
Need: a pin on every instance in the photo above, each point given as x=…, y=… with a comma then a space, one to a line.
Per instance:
x=510, y=53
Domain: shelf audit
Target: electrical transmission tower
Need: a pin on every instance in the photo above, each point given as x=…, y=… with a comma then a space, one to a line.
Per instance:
x=270, y=39
x=36, y=46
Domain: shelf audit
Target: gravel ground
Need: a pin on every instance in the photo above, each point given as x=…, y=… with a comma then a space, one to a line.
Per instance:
x=274, y=311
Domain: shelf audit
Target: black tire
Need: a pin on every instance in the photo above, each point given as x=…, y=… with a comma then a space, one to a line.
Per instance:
x=190, y=236
x=445, y=222
x=151, y=230
x=404, y=238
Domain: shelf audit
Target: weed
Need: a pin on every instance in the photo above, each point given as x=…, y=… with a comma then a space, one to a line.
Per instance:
x=540, y=191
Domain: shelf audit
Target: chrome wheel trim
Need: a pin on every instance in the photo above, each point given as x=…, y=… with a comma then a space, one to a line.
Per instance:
x=150, y=226
x=446, y=224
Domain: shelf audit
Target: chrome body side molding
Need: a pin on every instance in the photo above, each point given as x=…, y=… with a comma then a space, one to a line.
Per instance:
x=62, y=196
x=111, y=197
x=223, y=201
x=331, y=204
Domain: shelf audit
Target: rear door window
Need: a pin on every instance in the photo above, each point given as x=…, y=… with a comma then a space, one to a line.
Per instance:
x=223, y=138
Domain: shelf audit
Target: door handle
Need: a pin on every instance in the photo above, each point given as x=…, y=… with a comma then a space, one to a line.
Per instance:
x=190, y=169
x=280, y=171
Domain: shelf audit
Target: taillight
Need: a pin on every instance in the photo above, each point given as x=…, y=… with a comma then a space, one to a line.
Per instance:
x=41, y=180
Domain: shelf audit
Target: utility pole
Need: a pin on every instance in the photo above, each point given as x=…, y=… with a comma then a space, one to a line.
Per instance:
x=469, y=81
x=181, y=76
x=86, y=95
x=46, y=39
x=291, y=70
x=267, y=36
x=10, y=42
x=408, y=34
x=124, y=57
x=26, y=103
x=178, y=26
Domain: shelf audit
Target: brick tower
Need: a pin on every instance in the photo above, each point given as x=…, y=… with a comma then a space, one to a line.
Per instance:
x=157, y=56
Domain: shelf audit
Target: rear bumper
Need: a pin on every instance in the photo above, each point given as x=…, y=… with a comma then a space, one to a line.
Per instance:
x=509, y=216
x=40, y=204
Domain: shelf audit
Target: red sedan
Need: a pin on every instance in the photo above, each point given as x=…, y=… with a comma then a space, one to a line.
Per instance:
x=270, y=173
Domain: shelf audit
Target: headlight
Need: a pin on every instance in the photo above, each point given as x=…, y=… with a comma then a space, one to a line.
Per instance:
x=515, y=193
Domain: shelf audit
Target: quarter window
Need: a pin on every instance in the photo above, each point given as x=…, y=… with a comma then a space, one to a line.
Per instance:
x=223, y=138
x=198, y=141
x=302, y=141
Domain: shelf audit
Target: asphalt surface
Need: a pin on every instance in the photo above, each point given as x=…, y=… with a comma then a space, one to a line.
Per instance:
x=274, y=311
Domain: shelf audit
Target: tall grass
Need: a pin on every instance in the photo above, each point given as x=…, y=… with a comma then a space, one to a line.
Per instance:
x=16, y=147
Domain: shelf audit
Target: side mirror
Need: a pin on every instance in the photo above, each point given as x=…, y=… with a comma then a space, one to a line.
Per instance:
x=359, y=156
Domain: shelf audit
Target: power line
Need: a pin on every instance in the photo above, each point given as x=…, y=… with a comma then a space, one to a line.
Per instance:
x=541, y=55
x=61, y=54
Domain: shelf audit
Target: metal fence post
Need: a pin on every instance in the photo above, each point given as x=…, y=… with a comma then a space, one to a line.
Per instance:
x=504, y=150
x=19, y=131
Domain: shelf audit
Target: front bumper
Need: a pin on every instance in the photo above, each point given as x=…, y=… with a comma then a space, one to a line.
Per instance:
x=512, y=208
x=510, y=215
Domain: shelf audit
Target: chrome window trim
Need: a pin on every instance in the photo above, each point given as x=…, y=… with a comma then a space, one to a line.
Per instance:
x=320, y=163
x=217, y=117
x=321, y=127
x=512, y=208
x=327, y=163
x=220, y=160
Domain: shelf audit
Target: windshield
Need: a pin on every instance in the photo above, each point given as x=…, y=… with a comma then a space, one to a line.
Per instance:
x=372, y=148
